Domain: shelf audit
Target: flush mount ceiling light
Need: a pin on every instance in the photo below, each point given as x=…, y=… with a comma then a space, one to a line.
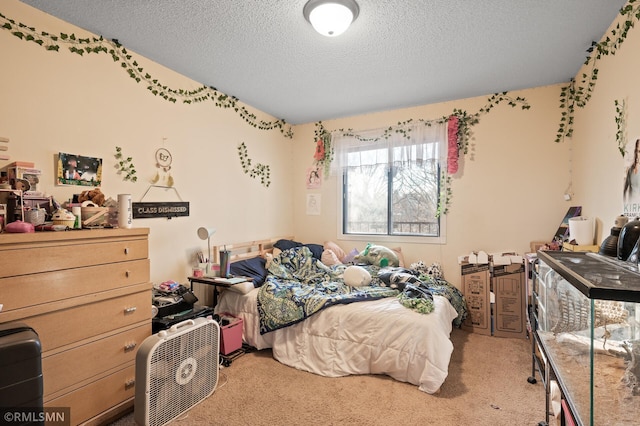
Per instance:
x=331, y=17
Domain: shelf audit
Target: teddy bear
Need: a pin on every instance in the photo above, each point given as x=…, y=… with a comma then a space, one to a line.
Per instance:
x=94, y=195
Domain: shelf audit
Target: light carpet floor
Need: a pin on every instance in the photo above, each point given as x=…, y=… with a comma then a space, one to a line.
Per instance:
x=487, y=385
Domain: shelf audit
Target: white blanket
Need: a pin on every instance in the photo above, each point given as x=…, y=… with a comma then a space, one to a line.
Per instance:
x=373, y=337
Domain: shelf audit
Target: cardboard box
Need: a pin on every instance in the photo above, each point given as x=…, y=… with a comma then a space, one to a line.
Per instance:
x=476, y=288
x=509, y=288
x=26, y=164
x=230, y=334
x=575, y=247
x=534, y=246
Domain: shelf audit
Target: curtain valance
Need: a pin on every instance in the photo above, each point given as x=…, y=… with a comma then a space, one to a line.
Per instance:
x=415, y=143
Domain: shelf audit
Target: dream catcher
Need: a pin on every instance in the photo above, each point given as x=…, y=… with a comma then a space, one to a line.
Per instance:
x=163, y=166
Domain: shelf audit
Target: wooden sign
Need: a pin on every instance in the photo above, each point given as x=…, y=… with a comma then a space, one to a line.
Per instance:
x=160, y=209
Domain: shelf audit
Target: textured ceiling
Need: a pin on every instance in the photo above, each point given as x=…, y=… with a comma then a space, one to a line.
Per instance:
x=398, y=53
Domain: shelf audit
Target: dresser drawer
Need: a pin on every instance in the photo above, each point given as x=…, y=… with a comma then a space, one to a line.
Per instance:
x=35, y=289
x=101, y=395
x=60, y=328
x=76, y=365
x=57, y=257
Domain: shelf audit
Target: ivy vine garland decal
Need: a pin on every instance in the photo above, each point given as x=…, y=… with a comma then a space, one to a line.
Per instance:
x=125, y=166
x=621, y=125
x=577, y=94
x=460, y=124
x=120, y=55
x=262, y=170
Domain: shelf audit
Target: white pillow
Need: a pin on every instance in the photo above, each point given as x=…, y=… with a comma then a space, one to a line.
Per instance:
x=356, y=276
x=329, y=258
x=398, y=252
x=336, y=249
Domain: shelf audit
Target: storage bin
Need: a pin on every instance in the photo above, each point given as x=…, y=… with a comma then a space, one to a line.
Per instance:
x=231, y=333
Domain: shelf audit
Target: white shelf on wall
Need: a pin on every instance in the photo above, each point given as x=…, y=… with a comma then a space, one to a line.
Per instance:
x=3, y=148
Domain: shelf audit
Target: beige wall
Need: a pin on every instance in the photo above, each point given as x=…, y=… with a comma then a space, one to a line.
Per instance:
x=508, y=193
x=598, y=165
x=511, y=188
x=59, y=101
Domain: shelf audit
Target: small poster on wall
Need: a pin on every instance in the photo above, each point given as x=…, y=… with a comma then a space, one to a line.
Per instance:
x=314, y=177
x=73, y=169
x=631, y=188
x=313, y=204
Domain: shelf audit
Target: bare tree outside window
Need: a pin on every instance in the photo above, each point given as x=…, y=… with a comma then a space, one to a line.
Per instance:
x=392, y=198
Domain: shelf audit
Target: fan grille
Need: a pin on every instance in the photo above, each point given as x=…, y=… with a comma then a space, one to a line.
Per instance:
x=183, y=371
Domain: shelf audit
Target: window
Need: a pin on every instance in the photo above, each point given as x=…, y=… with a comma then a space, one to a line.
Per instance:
x=391, y=185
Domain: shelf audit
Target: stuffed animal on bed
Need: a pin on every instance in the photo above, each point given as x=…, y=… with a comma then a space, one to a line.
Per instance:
x=377, y=255
x=434, y=270
x=356, y=276
x=398, y=278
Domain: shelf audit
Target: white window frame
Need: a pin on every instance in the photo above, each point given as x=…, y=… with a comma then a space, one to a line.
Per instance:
x=419, y=239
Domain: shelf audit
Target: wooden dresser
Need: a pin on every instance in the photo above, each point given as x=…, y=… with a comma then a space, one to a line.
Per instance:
x=87, y=293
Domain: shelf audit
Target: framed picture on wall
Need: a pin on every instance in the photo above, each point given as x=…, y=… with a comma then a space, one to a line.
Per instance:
x=74, y=169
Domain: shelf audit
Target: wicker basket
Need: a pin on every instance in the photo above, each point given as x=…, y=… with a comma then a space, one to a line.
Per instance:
x=66, y=222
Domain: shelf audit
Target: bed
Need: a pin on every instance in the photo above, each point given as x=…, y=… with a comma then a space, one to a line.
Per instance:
x=364, y=329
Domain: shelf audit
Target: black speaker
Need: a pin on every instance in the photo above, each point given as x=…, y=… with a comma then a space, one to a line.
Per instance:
x=628, y=238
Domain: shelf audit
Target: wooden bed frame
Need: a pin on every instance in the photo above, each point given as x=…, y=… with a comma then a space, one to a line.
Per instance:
x=247, y=250
x=388, y=338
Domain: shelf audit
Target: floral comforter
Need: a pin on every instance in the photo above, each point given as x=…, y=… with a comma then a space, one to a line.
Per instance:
x=298, y=286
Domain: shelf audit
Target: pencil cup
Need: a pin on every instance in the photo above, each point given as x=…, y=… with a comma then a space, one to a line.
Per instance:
x=125, y=216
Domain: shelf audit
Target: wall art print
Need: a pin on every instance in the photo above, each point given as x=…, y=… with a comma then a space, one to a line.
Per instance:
x=314, y=204
x=314, y=177
x=631, y=188
x=74, y=169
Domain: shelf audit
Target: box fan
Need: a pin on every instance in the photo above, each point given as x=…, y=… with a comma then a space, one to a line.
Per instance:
x=175, y=370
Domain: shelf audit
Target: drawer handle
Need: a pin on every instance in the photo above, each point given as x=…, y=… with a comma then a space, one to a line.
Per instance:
x=127, y=274
x=130, y=310
x=126, y=250
x=129, y=384
x=130, y=346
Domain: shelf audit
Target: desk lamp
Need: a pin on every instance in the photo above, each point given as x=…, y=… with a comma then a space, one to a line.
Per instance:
x=205, y=234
